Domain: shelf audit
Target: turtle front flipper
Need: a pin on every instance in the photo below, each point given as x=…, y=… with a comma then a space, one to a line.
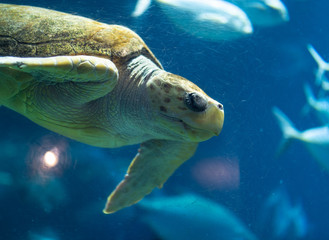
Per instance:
x=100, y=74
x=152, y=166
x=60, y=93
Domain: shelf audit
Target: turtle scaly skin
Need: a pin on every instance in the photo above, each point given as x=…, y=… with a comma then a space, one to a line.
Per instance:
x=100, y=84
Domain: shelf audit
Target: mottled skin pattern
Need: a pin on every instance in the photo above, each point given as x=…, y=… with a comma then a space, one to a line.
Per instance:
x=99, y=84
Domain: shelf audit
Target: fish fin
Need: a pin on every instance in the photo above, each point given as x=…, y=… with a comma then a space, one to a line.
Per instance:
x=152, y=166
x=141, y=7
x=255, y=5
x=322, y=65
x=288, y=130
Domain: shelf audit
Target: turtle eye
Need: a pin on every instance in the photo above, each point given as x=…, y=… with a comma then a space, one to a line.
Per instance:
x=195, y=102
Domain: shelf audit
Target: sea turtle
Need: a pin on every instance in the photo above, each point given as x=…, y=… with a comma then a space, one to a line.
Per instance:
x=101, y=85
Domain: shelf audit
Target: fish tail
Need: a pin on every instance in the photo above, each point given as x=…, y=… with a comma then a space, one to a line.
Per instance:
x=288, y=130
x=141, y=7
x=309, y=95
x=323, y=66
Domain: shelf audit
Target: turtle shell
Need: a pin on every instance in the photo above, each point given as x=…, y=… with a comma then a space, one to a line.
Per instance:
x=36, y=32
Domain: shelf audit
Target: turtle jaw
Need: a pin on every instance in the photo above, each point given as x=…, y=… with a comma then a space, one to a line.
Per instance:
x=199, y=127
x=206, y=124
x=213, y=119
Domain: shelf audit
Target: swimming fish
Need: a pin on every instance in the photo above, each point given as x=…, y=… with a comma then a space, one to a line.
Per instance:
x=320, y=105
x=212, y=20
x=264, y=13
x=193, y=217
x=316, y=139
x=323, y=67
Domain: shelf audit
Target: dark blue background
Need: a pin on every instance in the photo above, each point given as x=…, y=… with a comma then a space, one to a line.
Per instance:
x=249, y=76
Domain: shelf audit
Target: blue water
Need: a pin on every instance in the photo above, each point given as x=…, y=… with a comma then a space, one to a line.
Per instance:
x=249, y=76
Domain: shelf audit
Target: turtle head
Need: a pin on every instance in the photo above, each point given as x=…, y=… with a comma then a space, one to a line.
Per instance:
x=183, y=108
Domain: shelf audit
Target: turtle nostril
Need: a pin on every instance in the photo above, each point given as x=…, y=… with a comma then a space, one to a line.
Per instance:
x=220, y=106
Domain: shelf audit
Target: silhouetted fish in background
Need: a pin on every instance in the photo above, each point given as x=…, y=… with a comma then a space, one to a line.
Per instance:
x=316, y=139
x=280, y=219
x=319, y=105
x=264, y=13
x=323, y=67
x=212, y=20
x=193, y=217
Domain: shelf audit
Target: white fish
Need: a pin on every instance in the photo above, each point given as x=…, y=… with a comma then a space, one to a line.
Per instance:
x=212, y=20
x=193, y=217
x=323, y=67
x=320, y=105
x=316, y=140
x=264, y=13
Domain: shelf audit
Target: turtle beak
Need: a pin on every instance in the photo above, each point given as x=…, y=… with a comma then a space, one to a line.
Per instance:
x=214, y=119
x=211, y=121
